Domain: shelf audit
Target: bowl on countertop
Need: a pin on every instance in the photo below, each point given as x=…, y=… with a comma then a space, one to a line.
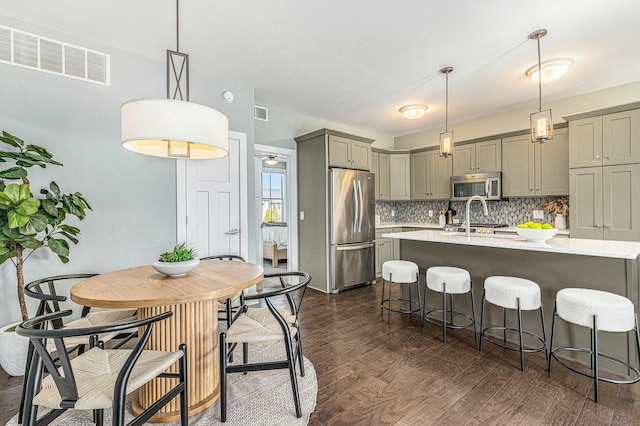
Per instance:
x=537, y=235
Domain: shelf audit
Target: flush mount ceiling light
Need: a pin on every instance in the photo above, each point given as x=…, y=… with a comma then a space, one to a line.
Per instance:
x=175, y=127
x=551, y=69
x=446, y=138
x=413, y=111
x=541, y=121
x=271, y=160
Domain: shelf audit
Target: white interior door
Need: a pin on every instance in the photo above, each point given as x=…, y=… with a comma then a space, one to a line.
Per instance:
x=210, y=202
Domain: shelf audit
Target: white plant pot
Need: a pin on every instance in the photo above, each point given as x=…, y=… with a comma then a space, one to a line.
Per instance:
x=175, y=269
x=561, y=221
x=13, y=351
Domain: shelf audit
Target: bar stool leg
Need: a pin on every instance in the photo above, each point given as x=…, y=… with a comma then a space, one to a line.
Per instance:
x=450, y=308
x=544, y=334
x=390, y=303
x=382, y=297
x=444, y=312
x=504, y=323
x=410, y=302
x=424, y=304
x=637, y=337
x=594, y=355
x=473, y=314
x=481, y=321
x=520, y=335
x=553, y=332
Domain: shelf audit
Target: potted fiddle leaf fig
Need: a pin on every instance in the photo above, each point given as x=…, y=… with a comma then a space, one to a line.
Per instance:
x=30, y=222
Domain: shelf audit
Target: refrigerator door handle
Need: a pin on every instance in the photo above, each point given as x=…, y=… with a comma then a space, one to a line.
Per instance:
x=361, y=205
x=354, y=247
x=355, y=201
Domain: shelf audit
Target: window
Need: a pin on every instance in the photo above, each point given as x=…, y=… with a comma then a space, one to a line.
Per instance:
x=273, y=196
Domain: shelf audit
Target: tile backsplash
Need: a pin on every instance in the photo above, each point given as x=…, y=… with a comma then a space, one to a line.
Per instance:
x=510, y=211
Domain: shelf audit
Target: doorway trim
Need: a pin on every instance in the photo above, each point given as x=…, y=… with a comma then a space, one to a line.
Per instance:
x=292, y=202
x=181, y=196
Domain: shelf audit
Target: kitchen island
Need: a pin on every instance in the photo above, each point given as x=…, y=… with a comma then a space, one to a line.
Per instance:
x=555, y=264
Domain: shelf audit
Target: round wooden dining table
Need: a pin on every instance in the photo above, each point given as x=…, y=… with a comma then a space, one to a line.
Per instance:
x=193, y=299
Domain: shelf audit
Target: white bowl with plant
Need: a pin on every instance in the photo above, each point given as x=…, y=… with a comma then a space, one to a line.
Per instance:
x=178, y=262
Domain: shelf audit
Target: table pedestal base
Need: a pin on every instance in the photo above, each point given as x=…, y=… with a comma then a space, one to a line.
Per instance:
x=196, y=325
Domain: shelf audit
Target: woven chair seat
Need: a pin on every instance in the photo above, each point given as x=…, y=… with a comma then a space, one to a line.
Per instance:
x=96, y=319
x=258, y=325
x=96, y=372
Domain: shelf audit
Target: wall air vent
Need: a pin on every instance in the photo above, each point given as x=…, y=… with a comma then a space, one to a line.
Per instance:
x=260, y=113
x=52, y=56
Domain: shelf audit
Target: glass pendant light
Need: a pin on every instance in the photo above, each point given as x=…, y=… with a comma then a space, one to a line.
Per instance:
x=541, y=121
x=446, y=138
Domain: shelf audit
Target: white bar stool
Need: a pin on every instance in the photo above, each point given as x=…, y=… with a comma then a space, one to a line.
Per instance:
x=448, y=281
x=598, y=311
x=513, y=293
x=399, y=272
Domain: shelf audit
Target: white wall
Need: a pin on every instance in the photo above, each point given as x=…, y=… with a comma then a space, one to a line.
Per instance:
x=518, y=119
x=284, y=125
x=133, y=196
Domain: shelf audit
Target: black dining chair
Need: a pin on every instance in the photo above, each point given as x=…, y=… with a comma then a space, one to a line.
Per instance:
x=277, y=322
x=98, y=378
x=47, y=292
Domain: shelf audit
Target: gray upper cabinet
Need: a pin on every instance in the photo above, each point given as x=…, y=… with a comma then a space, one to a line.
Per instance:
x=419, y=162
x=530, y=169
x=349, y=153
x=430, y=176
x=380, y=166
x=605, y=140
x=604, y=202
x=399, y=177
x=479, y=157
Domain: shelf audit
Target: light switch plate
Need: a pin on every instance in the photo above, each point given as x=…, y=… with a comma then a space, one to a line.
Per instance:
x=393, y=213
x=301, y=215
x=538, y=214
x=430, y=213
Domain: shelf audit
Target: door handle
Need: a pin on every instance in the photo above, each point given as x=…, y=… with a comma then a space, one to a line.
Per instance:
x=597, y=226
x=606, y=226
x=361, y=205
x=232, y=231
x=355, y=203
x=355, y=247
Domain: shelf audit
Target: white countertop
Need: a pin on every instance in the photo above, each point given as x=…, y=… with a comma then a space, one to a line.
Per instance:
x=578, y=246
x=387, y=225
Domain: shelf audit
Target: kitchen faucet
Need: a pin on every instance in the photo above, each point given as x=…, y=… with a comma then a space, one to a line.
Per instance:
x=467, y=218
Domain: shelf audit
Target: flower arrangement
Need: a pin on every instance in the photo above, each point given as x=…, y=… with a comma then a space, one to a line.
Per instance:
x=557, y=206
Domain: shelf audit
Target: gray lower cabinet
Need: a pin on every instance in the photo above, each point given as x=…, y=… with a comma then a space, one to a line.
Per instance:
x=530, y=169
x=605, y=202
x=384, y=252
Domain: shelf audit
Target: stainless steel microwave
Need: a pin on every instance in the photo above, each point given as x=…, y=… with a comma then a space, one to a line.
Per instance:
x=488, y=185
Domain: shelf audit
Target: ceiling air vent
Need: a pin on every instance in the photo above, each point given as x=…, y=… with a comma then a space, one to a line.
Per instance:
x=260, y=113
x=52, y=56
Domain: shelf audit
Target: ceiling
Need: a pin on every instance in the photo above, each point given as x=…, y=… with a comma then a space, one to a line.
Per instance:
x=358, y=61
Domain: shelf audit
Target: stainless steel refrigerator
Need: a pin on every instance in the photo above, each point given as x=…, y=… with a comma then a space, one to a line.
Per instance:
x=351, y=228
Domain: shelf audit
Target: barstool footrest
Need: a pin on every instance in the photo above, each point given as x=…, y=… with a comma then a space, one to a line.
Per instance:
x=489, y=338
x=386, y=305
x=438, y=321
x=600, y=354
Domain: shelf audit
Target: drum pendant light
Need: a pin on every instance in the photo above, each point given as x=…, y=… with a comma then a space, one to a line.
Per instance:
x=541, y=121
x=174, y=127
x=446, y=138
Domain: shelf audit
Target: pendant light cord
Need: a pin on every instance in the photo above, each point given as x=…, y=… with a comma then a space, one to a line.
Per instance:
x=539, y=79
x=178, y=28
x=446, y=108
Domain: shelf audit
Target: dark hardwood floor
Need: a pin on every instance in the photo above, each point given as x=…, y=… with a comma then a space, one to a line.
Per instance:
x=373, y=374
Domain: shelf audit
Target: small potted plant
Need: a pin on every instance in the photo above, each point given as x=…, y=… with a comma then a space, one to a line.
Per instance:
x=177, y=262
x=560, y=208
